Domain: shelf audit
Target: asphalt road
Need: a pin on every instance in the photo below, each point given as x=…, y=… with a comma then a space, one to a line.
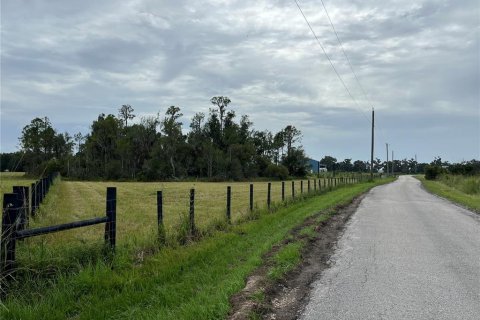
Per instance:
x=405, y=254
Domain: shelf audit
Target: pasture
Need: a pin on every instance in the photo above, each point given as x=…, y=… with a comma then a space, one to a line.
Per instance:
x=137, y=230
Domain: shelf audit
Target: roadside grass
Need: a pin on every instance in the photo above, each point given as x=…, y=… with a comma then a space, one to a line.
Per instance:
x=466, y=184
x=286, y=259
x=462, y=190
x=184, y=282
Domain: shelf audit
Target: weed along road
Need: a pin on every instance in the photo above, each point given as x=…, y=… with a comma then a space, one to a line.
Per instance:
x=405, y=254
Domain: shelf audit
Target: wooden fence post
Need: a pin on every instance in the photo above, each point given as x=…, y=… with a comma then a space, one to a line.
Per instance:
x=315, y=185
x=111, y=212
x=192, y=212
x=293, y=189
x=283, y=191
x=269, y=189
x=22, y=198
x=251, y=197
x=160, y=208
x=9, y=227
x=301, y=187
x=229, y=204
x=308, y=188
x=160, y=226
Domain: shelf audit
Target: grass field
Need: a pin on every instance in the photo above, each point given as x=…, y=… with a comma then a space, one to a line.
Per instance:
x=185, y=282
x=70, y=201
x=462, y=190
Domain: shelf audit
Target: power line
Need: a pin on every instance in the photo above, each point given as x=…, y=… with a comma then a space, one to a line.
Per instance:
x=346, y=56
x=350, y=64
x=328, y=58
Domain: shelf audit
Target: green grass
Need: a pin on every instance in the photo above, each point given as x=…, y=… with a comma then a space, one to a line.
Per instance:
x=286, y=259
x=462, y=190
x=186, y=282
x=70, y=201
x=466, y=184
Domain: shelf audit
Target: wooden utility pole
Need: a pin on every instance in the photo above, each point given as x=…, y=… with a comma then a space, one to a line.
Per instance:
x=393, y=165
x=387, y=158
x=373, y=140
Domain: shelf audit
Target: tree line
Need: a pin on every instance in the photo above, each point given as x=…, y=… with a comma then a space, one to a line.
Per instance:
x=219, y=146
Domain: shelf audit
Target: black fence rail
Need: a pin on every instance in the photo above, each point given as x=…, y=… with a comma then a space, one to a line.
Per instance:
x=13, y=228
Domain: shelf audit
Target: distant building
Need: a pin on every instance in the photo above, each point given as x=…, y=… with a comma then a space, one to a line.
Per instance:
x=315, y=166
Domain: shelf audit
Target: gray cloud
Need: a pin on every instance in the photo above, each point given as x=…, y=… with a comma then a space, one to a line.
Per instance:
x=418, y=61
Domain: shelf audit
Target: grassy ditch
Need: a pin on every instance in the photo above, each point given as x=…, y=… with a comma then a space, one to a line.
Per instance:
x=187, y=282
x=462, y=190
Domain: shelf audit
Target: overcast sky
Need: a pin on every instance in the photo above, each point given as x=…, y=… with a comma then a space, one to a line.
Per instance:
x=417, y=60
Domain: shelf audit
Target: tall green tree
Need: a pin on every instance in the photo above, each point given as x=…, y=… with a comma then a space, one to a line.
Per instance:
x=101, y=146
x=125, y=113
x=41, y=143
x=221, y=103
x=173, y=138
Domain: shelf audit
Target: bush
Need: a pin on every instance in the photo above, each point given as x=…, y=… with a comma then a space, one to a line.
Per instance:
x=277, y=171
x=432, y=172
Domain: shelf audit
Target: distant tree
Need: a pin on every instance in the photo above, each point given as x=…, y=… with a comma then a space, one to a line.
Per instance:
x=38, y=137
x=346, y=165
x=278, y=145
x=221, y=103
x=245, y=129
x=173, y=137
x=296, y=162
x=359, y=166
x=126, y=113
x=291, y=135
x=101, y=145
x=329, y=162
x=41, y=143
x=79, y=139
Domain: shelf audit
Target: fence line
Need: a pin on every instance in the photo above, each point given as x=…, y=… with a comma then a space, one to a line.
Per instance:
x=16, y=208
x=13, y=206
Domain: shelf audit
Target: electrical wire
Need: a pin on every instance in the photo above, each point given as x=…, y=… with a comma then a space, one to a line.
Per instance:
x=346, y=56
x=328, y=58
x=367, y=96
x=349, y=64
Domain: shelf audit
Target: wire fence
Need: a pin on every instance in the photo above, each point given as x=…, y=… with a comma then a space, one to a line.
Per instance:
x=142, y=210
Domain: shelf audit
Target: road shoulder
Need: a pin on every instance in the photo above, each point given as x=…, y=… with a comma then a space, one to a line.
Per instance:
x=286, y=297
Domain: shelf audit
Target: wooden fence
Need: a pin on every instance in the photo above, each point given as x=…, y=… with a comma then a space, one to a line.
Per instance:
x=16, y=209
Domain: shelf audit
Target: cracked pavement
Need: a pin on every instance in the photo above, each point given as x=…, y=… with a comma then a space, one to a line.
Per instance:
x=405, y=254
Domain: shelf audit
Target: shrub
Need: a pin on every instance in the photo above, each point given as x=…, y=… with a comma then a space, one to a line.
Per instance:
x=432, y=171
x=277, y=171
